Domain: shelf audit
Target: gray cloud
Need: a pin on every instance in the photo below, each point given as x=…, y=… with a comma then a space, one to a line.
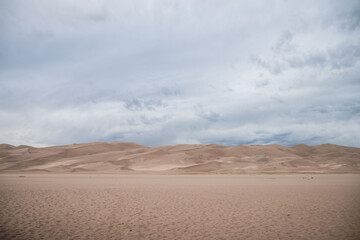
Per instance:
x=170, y=72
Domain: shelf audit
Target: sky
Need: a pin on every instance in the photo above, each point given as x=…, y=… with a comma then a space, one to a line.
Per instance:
x=166, y=72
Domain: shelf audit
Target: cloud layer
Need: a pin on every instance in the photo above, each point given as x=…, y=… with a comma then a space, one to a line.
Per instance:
x=170, y=72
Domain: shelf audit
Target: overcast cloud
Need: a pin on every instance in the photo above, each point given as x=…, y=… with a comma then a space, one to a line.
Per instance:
x=170, y=72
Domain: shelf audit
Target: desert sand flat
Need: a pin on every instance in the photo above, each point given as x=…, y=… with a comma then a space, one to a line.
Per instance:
x=98, y=206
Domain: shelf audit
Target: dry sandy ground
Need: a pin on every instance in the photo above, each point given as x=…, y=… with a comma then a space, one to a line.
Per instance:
x=69, y=206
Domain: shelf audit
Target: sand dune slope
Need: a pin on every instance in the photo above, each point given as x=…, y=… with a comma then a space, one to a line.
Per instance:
x=133, y=158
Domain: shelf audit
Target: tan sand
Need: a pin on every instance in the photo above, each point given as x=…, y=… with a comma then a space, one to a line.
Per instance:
x=120, y=157
x=69, y=206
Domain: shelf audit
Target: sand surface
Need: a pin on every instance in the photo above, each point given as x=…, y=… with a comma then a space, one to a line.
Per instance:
x=132, y=158
x=69, y=206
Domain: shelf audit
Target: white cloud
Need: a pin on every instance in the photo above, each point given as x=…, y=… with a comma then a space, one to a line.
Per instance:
x=169, y=72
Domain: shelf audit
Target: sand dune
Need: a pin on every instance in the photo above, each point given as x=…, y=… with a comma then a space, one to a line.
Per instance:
x=120, y=157
x=133, y=205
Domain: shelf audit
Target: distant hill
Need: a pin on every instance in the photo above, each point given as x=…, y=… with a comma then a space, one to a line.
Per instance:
x=121, y=157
